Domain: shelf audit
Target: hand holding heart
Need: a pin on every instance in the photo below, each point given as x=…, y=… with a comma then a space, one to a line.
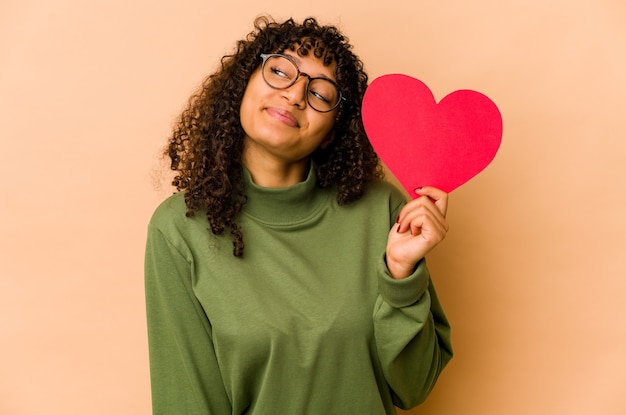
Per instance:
x=420, y=227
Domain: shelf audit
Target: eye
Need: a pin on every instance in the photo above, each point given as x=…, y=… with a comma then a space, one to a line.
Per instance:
x=276, y=71
x=280, y=70
x=323, y=90
x=319, y=96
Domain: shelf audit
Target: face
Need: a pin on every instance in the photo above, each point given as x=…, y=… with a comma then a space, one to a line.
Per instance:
x=279, y=123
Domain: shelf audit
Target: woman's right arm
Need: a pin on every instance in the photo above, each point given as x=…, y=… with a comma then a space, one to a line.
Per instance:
x=184, y=372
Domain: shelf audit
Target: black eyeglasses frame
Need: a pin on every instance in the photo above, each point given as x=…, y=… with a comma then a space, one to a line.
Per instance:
x=266, y=56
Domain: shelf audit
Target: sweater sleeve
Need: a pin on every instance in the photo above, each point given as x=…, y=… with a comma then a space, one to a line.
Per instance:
x=184, y=372
x=412, y=334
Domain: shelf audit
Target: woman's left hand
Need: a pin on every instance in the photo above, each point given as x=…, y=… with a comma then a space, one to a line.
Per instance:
x=420, y=227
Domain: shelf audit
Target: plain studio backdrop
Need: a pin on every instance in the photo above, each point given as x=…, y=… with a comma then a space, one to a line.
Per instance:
x=532, y=274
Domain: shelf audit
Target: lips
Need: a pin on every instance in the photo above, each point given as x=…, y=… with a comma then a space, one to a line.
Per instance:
x=283, y=116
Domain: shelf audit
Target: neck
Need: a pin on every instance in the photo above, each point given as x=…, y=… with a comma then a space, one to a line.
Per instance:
x=273, y=174
x=287, y=205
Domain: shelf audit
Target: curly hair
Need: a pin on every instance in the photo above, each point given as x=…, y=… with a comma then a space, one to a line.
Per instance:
x=206, y=145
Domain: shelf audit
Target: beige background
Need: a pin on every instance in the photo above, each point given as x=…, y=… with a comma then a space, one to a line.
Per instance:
x=532, y=273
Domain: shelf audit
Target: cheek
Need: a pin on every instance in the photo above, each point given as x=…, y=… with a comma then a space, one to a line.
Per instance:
x=247, y=107
x=325, y=124
x=253, y=89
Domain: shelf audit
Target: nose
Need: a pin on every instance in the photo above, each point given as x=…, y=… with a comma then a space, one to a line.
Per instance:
x=296, y=93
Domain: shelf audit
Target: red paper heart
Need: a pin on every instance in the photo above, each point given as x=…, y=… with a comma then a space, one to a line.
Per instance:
x=428, y=144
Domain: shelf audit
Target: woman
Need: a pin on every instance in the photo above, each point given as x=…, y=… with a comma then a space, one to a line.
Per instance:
x=328, y=307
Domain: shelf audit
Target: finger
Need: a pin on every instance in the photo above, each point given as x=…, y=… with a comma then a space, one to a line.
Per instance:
x=427, y=226
x=416, y=219
x=423, y=221
x=426, y=218
x=415, y=212
x=418, y=203
x=437, y=196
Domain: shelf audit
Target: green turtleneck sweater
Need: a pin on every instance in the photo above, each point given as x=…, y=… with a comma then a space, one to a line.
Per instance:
x=309, y=321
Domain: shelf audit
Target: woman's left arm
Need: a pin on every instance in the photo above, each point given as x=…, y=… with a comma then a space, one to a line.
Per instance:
x=411, y=329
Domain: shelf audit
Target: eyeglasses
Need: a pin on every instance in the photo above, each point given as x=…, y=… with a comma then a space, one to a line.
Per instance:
x=280, y=72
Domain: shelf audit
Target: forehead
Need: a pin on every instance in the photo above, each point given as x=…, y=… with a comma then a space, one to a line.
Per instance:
x=312, y=47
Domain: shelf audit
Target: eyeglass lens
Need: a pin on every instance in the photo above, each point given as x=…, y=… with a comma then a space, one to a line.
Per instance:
x=279, y=72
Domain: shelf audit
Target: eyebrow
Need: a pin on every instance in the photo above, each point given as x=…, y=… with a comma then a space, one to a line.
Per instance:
x=295, y=58
x=298, y=62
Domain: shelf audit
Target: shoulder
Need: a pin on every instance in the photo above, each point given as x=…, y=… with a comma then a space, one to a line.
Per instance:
x=383, y=190
x=381, y=198
x=171, y=222
x=170, y=209
x=170, y=217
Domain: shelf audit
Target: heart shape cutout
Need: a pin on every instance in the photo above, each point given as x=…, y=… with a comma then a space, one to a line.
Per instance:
x=425, y=143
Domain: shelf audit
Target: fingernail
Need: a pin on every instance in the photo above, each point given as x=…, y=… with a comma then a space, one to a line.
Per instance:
x=417, y=189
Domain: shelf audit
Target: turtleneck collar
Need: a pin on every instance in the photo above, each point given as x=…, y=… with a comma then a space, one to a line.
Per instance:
x=286, y=205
